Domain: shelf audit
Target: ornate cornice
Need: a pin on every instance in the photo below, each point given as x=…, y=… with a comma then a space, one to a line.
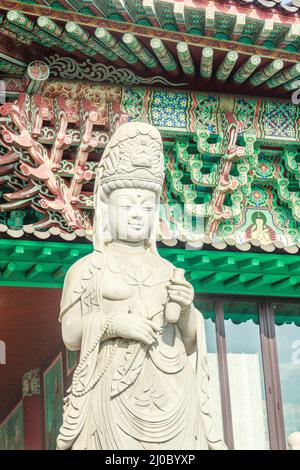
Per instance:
x=67, y=68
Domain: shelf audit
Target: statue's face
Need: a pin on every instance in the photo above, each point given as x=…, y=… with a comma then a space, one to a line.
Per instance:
x=131, y=214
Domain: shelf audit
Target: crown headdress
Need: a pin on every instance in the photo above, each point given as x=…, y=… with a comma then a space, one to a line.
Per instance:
x=134, y=152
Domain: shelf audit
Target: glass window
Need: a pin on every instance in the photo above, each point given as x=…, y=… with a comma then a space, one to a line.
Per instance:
x=287, y=327
x=207, y=310
x=246, y=380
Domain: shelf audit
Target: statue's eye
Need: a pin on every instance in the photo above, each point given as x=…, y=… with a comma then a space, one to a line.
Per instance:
x=126, y=207
x=148, y=208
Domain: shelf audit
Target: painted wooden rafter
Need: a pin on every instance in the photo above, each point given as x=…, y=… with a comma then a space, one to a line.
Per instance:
x=172, y=36
x=251, y=66
x=148, y=7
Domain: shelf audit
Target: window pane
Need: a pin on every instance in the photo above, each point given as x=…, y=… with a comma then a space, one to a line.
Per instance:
x=287, y=327
x=207, y=310
x=246, y=381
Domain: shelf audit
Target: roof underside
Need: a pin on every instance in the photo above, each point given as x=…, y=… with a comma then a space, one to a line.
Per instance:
x=63, y=54
x=232, y=163
x=231, y=47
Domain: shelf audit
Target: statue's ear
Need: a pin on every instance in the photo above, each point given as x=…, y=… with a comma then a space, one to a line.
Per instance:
x=107, y=236
x=101, y=228
x=153, y=233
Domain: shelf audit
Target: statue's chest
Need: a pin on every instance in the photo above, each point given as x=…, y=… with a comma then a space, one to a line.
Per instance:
x=127, y=279
x=114, y=287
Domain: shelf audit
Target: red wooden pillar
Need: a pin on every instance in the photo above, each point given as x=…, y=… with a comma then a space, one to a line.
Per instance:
x=32, y=411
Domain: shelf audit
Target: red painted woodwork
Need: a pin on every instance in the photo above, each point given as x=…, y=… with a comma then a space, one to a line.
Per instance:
x=29, y=327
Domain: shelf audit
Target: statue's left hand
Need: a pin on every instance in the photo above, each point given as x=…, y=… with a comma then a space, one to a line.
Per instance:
x=181, y=292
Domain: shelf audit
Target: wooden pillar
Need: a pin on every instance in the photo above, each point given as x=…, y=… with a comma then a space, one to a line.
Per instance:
x=32, y=410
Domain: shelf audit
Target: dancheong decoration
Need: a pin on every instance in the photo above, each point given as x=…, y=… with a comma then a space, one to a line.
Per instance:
x=232, y=164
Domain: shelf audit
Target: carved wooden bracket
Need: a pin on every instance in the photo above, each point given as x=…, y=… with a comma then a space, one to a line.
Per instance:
x=44, y=136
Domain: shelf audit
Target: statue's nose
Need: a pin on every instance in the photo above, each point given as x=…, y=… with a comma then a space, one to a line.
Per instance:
x=137, y=213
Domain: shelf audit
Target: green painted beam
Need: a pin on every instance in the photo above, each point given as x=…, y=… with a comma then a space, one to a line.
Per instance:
x=60, y=272
x=286, y=283
x=45, y=253
x=17, y=250
x=239, y=280
x=34, y=271
x=44, y=264
x=199, y=260
x=37, y=263
x=224, y=262
x=295, y=267
x=71, y=254
x=8, y=270
x=197, y=276
x=250, y=264
x=240, y=273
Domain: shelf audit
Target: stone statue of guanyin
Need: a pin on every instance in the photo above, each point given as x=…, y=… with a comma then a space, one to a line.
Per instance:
x=131, y=315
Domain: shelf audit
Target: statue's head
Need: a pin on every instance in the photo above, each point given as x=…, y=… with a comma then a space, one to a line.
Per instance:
x=128, y=185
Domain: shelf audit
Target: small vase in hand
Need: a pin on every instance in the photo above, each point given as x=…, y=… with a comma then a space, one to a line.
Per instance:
x=173, y=309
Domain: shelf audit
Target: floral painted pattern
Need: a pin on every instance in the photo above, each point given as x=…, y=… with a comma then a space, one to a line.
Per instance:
x=169, y=109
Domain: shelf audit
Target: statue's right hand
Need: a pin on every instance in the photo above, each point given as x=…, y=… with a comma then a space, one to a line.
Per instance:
x=130, y=326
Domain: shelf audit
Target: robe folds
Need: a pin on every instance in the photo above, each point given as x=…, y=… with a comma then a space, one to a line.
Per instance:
x=126, y=394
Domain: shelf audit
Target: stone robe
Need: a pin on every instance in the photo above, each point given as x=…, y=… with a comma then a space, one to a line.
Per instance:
x=126, y=394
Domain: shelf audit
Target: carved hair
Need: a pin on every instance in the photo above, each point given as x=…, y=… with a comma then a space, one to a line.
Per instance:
x=107, y=188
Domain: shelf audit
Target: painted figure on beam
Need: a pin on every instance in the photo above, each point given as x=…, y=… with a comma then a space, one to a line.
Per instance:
x=131, y=314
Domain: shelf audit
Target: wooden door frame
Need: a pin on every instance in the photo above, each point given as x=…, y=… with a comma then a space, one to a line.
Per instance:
x=270, y=361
